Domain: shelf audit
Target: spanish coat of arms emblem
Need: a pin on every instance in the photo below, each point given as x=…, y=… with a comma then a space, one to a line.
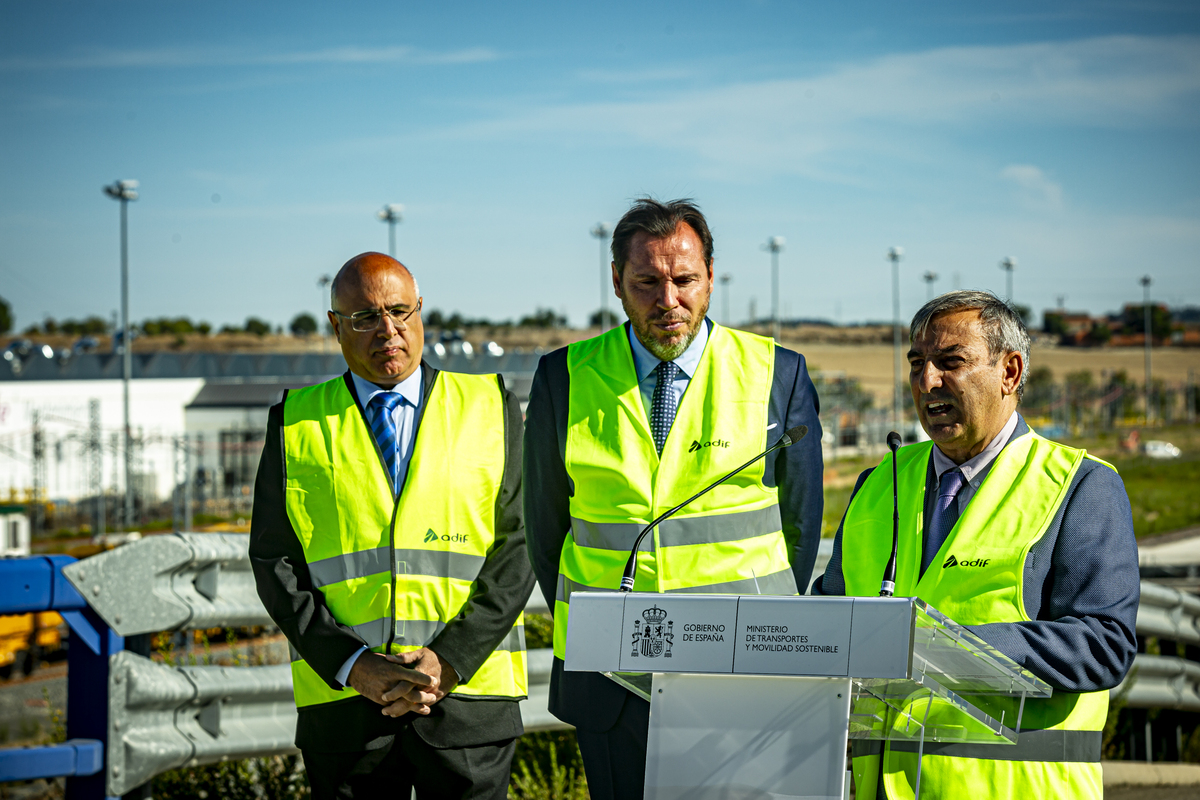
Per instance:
x=651, y=638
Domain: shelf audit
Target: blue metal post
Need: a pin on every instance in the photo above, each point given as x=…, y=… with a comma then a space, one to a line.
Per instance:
x=30, y=585
x=87, y=701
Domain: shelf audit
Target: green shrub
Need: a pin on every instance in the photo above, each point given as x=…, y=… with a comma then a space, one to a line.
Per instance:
x=537, y=773
x=272, y=778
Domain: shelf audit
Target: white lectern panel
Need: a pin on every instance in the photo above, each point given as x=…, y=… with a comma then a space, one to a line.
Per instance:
x=793, y=636
x=722, y=737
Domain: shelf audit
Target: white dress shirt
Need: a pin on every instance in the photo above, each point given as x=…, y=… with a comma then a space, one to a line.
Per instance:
x=974, y=470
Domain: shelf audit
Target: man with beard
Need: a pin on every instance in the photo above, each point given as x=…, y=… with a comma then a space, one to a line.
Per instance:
x=1027, y=542
x=624, y=426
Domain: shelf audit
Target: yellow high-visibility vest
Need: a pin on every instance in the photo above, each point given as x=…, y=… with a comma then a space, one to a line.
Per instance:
x=397, y=570
x=977, y=578
x=728, y=542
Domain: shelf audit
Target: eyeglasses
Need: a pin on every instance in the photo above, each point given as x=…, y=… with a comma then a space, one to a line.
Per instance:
x=367, y=321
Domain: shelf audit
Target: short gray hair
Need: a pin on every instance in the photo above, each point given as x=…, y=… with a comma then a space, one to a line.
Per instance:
x=1003, y=327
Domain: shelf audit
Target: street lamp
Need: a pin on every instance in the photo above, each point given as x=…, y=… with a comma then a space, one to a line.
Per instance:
x=391, y=214
x=125, y=191
x=601, y=231
x=322, y=310
x=725, y=279
x=1008, y=265
x=894, y=255
x=774, y=245
x=1147, y=321
x=929, y=277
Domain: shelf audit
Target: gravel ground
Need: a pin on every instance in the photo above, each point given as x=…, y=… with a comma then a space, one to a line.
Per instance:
x=1152, y=793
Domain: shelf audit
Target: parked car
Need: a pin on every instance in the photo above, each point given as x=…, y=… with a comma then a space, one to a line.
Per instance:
x=1156, y=448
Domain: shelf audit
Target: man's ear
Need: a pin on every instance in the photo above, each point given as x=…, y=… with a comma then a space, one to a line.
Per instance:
x=1014, y=368
x=616, y=279
x=336, y=323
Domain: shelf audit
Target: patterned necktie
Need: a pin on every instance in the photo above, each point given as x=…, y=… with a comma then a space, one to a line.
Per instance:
x=663, y=404
x=384, y=429
x=945, y=513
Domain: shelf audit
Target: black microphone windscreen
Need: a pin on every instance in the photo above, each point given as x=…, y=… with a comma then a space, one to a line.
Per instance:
x=793, y=435
x=893, y=441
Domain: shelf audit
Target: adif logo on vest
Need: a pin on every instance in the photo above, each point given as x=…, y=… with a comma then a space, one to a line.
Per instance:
x=696, y=444
x=430, y=536
x=954, y=562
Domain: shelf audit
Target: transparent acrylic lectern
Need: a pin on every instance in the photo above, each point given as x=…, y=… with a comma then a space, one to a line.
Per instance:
x=756, y=696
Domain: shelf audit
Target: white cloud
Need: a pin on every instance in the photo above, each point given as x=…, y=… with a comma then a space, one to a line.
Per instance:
x=1035, y=188
x=233, y=57
x=794, y=125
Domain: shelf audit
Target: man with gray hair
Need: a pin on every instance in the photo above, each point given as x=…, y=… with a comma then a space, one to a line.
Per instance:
x=1027, y=542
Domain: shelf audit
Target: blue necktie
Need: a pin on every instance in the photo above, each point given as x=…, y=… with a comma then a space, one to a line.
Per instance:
x=945, y=514
x=663, y=404
x=384, y=429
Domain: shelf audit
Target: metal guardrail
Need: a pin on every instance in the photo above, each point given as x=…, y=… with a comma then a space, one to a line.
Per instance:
x=1158, y=681
x=182, y=581
x=173, y=582
x=140, y=717
x=130, y=718
x=161, y=717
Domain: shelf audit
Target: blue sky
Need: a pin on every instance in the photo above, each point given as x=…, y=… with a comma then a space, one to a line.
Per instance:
x=267, y=136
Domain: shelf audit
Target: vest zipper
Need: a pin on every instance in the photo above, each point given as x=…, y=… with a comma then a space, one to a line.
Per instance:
x=412, y=449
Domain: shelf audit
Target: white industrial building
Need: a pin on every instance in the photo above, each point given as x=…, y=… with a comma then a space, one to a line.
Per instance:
x=217, y=401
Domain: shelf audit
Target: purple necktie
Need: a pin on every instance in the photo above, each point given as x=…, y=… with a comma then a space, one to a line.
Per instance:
x=945, y=514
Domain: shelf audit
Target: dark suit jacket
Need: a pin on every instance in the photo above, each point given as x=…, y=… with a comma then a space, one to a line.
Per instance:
x=501, y=590
x=590, y=701
x=1080, y=585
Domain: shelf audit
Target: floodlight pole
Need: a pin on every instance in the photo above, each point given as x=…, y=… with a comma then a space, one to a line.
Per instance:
x=1147, y=321
x=774, y=245
x=894, y=255
x=601, y=231
x=391, y=214
x=323, y=317
x=1008, y=265
x=929, y=278
x=725, y=279
x=125, y=191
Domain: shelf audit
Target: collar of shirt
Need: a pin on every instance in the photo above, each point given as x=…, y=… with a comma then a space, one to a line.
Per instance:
x=645, y=362
x=409, y=388
x=974, y=467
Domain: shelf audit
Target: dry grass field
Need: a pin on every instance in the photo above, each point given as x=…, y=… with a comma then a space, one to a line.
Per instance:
x=872, y=363
x=864, y=353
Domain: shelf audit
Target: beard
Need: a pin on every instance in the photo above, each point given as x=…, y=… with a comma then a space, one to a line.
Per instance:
x=674, y=347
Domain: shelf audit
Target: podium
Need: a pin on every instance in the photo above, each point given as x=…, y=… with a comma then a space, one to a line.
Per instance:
x=756, y=696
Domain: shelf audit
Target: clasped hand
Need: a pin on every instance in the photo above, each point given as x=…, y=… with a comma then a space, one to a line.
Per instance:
x=403, y=682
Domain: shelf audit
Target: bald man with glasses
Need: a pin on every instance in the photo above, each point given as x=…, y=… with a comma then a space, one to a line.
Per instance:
x=388, y=544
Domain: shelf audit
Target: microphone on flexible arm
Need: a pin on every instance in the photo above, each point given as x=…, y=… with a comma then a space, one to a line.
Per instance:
x=888, y=587
x=789, y=438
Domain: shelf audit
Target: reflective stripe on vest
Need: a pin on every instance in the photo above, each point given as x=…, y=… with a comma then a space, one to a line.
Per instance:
x=977, y=578
x=396, y=571
x=729, y=541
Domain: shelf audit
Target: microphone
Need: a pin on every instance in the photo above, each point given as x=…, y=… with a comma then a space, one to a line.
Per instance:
x=888, y=587
x=789, y=438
